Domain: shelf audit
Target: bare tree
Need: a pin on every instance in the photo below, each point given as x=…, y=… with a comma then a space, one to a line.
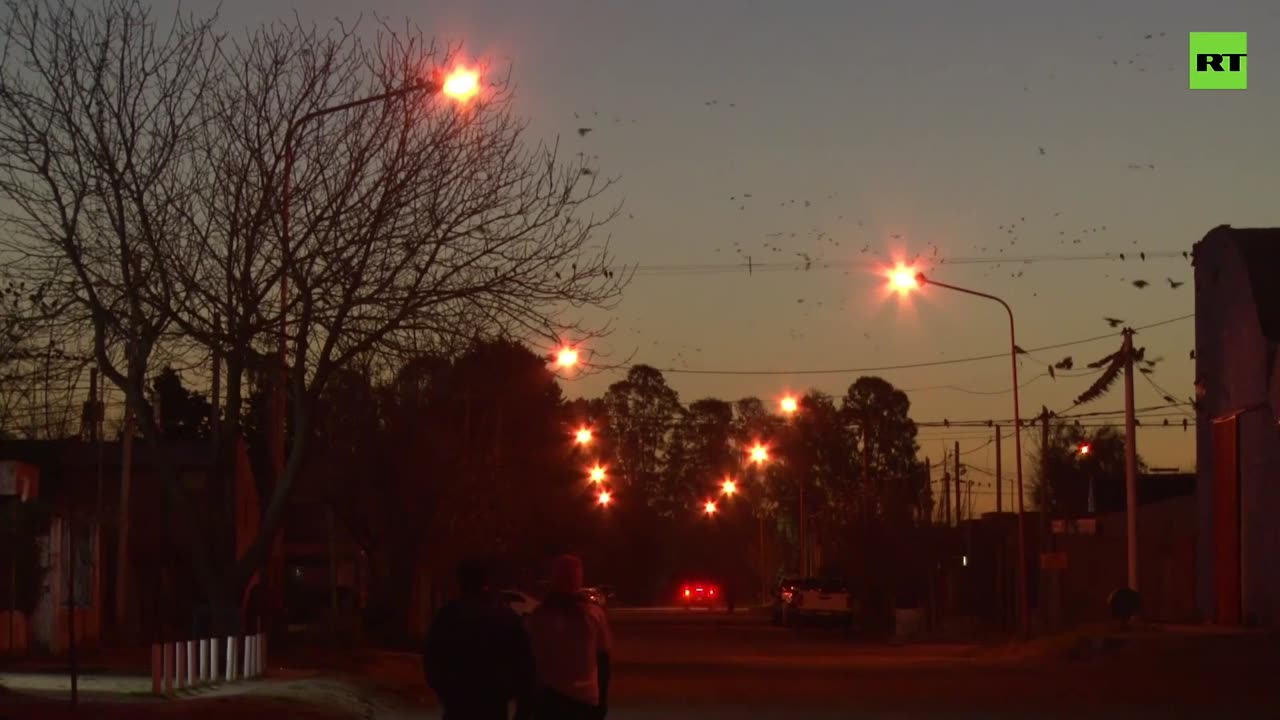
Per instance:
x=415, y=221
x=147, y=172
x=98, y=104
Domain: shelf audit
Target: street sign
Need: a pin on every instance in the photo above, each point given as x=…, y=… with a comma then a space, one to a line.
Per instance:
x=1053, y=561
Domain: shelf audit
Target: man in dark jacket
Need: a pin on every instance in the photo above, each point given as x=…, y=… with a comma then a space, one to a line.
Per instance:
x=477, y=658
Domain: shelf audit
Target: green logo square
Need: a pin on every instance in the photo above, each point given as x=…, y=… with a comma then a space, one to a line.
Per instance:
x=1219, y=61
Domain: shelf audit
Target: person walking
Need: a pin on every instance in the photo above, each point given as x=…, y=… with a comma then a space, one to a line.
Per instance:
x=477, y=657
x=572, y=647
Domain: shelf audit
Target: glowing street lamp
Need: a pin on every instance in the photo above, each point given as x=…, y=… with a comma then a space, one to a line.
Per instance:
x=709, y=507
x=582, y=436
x=461, y=84
x=903, y=280
x=729, y=487
x=759, y=454
x=1084, y=449
x=566, y=357
x=789, y=405
x=604, y=498
x=596, y=475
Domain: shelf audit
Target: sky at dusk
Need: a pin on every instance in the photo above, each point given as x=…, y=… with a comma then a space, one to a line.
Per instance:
x=838, y=134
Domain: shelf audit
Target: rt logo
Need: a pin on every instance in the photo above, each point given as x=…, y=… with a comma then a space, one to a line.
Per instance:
x=1219, y=61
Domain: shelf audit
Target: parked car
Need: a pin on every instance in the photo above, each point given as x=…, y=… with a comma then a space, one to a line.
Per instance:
x=700, y=593
x=523, y=603
x=813, y=598
x=595, y=595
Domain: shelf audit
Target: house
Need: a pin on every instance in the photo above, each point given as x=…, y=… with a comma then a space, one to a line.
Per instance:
x=1238, y=427
x=78, y=484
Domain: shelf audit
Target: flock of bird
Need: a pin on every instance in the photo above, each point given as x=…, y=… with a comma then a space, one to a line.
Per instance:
x=810, y=246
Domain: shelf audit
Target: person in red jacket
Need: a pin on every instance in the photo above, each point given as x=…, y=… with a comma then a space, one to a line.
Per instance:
x=572, y=647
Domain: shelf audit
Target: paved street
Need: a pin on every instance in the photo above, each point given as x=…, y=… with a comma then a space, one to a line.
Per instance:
x=675, y=665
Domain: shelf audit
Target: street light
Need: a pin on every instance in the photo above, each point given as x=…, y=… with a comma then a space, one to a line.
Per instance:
x=1085, y=449
x=709, y=507
x=729, y=487
x=596, y=475
x=604, y=498
x=582, y=436
x=789, y=405
x=759, y=454
x=566, y=357
x=459, y=85
x=903, y=280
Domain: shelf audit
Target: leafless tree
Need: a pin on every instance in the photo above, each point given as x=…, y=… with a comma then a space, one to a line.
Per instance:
x=147, y=170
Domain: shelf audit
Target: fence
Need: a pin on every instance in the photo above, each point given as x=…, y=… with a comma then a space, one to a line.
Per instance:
x=192, y=664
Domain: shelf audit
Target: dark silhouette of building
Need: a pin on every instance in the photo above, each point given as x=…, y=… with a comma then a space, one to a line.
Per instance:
x=1237, y=283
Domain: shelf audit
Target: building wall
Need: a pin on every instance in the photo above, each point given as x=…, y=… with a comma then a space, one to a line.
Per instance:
x=1235, y=364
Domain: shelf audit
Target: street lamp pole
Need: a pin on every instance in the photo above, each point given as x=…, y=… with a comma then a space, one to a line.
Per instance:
x=1017, y=448
x=278, y=394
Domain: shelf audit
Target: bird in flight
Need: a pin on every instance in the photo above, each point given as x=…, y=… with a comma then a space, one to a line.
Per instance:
x=1114, y=322
x=1173, y=284
x=582, y=131
x=1140, y=284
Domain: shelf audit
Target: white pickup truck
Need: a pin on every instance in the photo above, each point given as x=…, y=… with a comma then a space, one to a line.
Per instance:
x=811, y=598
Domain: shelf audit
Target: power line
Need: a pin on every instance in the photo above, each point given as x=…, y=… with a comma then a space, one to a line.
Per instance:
x=912, y=366
x=808, y=264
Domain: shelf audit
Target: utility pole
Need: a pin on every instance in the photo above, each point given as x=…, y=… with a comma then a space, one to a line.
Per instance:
x=959, y=493
x=1130, y=462
x=122, y=538
x=1049, y=578
x=926, y=517
x=999, y=477
x=946, y=490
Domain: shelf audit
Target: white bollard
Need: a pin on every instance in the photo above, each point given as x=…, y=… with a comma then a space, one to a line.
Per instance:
x=247, y=672
x=213, y=660
x=191, y=663
x=180, y=666
x=202, y=650
x=231, y=658
x=157, y=669
x=166, y=662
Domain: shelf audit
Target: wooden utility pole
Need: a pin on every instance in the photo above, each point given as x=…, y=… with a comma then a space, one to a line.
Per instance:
x=959, y=493
x=946, y=490
x=927, y=517
x=1130, y=462
x=999, y=476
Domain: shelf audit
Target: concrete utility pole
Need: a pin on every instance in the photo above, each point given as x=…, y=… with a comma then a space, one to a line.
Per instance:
x=1130, y=462
x=999, y=478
